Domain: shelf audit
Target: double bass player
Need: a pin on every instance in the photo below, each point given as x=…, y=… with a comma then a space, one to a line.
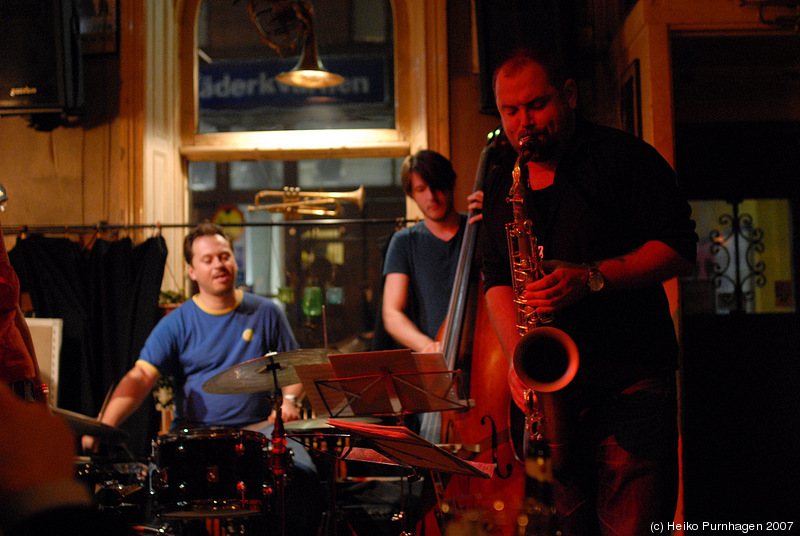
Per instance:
x=421, y=260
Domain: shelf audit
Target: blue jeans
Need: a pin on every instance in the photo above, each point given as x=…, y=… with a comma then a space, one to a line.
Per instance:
x=625, y=471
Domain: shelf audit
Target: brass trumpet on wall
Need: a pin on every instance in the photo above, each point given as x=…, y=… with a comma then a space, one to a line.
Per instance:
x=295, y=202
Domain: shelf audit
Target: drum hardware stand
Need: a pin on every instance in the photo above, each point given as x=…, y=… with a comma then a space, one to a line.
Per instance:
x=280, y=452
x=332, y=515
x=405, y=500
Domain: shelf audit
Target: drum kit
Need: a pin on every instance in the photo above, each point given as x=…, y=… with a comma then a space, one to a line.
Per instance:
x=220, y=472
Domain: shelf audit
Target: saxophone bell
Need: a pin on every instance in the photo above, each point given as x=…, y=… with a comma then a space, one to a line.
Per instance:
x=546, y=359
x=545, y=362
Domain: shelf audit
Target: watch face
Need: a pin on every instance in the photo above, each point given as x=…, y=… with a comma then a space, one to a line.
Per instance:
x=596, y=280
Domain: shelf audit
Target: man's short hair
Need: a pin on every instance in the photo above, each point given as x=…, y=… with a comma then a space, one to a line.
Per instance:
x=433, y=168
x=550, y=61
x=203, y=229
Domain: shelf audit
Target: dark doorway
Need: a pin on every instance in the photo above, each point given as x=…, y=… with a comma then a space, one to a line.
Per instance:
x=738, y=148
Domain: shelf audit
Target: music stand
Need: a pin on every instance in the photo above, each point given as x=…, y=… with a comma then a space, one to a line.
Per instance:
x=405, y=448
x=394, y=382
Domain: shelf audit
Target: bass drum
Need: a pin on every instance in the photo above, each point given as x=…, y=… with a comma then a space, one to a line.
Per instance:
x=211, y=472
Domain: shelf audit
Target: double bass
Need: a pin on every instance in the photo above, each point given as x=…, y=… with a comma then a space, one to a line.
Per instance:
x=488, y=431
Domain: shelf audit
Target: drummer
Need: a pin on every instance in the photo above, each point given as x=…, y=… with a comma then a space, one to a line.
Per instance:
x=220, y=327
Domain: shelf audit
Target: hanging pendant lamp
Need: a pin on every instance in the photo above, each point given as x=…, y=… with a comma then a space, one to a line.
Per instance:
x=309, y=71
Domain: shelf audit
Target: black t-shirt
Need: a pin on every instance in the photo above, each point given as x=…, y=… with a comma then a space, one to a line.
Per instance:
x=611, y=193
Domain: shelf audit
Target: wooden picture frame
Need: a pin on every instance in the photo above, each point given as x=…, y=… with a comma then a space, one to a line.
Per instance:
x=630, y=108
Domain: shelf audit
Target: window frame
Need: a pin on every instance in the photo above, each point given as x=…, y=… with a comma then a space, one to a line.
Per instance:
x=421, y=100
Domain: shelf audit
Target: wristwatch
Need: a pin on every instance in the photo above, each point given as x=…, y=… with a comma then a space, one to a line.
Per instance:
x=596, y=280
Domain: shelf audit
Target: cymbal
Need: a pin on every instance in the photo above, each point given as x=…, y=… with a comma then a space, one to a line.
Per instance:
x=307, y=425
x=82, y=425
x=256, y=375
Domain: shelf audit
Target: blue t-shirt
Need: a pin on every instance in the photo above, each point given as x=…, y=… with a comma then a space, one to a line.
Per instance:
x=430, y=264
x=192, y=345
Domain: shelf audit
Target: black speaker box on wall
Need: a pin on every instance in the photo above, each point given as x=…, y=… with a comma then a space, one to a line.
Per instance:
x=40, y=58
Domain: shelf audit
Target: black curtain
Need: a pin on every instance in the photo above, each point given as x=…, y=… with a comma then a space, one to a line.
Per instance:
x=108, y=300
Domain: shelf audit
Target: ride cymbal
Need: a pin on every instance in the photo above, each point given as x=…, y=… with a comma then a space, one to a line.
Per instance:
x=259, y=374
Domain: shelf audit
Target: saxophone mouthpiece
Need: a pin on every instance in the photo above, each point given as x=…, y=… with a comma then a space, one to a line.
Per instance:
x=526, y=149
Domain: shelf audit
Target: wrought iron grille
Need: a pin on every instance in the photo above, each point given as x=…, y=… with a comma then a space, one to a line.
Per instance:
x=736, y=266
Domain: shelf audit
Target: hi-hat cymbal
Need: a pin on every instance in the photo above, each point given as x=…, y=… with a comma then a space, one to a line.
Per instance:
x=321, y=423
x=82, y=425
x=256, y=375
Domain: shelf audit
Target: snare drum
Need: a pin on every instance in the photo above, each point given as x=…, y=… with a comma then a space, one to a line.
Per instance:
x=210, y=472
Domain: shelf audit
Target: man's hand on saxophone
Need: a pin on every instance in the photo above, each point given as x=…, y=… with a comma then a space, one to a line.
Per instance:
x=566, y=283
x=563, y=284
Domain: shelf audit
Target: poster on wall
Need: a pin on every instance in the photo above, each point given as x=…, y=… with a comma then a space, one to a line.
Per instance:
x=98, y=26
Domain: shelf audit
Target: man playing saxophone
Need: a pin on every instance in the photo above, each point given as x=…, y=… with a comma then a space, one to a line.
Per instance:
x=610, y=226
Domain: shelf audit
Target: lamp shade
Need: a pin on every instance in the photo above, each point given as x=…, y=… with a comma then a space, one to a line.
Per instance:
x=309, y=72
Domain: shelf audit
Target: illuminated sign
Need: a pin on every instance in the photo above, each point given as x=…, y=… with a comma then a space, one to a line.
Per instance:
x=227, y=85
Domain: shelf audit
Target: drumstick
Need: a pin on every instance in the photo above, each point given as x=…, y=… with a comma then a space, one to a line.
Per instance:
x=105, y=403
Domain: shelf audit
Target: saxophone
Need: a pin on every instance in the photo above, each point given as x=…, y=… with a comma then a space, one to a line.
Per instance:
x=546, y=358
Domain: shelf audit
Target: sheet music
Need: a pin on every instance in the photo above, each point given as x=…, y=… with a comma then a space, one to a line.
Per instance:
x=404, y=447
